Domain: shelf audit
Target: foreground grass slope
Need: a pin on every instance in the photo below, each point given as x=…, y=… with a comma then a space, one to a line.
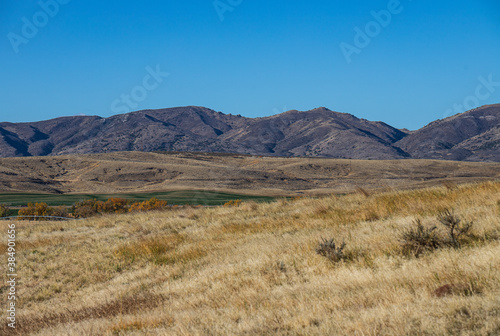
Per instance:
x=253, y=270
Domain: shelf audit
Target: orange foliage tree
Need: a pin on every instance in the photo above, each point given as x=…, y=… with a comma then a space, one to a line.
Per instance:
x=152, y=204
x=87, y=208
x=233, y=203
x=113, y=205
x=42, y=209
x=92, y=207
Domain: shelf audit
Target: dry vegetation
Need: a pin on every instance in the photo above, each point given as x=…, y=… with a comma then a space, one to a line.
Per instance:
x=123, y=172
x=256, y=270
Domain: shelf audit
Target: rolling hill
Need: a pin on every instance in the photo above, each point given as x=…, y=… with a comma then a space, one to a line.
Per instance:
x=125, y=172
x=471, y=136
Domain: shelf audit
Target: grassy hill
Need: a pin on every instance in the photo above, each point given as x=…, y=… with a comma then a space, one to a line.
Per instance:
x=255, y=270
x=136, y=172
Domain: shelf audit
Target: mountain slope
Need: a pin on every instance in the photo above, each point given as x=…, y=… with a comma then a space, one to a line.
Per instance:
x=470, y=136
x=319, y=132
x=182, y=129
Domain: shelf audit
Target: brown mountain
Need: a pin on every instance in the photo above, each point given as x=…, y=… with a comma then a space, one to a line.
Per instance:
x=472, y=136
x=469, y=136
x=319, y=132
x=181, y=129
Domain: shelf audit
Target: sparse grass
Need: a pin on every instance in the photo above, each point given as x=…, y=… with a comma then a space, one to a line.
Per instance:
x=253, y=269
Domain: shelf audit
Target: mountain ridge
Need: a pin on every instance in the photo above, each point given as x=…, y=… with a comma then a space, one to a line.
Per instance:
x=470, y=136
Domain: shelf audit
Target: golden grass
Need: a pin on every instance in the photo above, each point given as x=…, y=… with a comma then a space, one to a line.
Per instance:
x=125, y=172
x=253, y=270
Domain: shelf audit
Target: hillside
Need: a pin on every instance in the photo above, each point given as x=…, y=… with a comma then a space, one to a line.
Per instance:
x=182, y=129
x=471, y=136
x=254, y=270
x=317, y=133
x=122, y=172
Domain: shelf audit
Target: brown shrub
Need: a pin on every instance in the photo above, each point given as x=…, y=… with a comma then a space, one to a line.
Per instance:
x=328, y=248
x=233, y=203
x=113, y=205
x=41, y=209
x=456, y=229
x=87, y=208
x=152, y=204
x=419, y=239
x=4, y=210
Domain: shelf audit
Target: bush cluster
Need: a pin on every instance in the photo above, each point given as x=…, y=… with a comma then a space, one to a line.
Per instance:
x=416, y=240
x=92, y=207
x=42, y=209
x=89, y=208
x=419, y=239
x=86, y=208
x=152, y=204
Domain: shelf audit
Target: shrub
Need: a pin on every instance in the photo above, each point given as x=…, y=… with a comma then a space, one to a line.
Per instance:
x=328, y=248
x=87, y=208
x=42, y=209
x=4, y=210
x=113, y=205
x=419, y=239
x=59, y=211
x=83, y=211
x=34, y=209
x=233, y=203
x=152, y=204
x=456, y=229
x=92, y=207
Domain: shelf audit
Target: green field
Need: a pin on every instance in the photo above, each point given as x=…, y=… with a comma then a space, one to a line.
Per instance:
x=172, y=197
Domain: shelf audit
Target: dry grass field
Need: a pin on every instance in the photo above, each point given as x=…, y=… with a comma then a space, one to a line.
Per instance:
x=125, y=172
x=254, y=269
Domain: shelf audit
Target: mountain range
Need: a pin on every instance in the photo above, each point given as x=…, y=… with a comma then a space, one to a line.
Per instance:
x=470, y=136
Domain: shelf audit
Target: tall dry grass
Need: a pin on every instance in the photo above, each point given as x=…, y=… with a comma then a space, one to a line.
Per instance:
x=254, y=270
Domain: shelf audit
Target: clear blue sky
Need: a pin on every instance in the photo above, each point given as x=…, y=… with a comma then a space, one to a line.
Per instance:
x=263, y=57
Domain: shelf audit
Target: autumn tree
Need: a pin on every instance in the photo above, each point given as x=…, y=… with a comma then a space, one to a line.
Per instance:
x=151, y=204
x=41, y=209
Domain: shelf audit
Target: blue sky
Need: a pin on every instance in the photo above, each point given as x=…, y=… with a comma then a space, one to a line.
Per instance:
x=425, y=61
